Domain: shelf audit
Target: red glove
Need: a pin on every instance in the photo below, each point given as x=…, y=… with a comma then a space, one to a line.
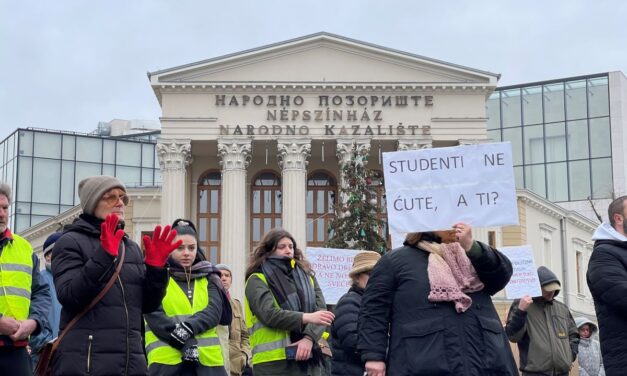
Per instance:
x=159, y=248
x=110, y=237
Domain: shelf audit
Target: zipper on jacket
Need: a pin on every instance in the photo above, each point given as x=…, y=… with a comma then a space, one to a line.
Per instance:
x=128, y=349
x=89, y=339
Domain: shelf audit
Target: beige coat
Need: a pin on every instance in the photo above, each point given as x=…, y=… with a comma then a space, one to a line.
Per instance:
x=239, y=347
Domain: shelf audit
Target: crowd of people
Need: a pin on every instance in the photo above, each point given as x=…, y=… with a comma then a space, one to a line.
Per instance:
x=424, y=308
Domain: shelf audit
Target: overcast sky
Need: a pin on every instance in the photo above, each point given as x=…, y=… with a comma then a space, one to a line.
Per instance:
x=70, y=64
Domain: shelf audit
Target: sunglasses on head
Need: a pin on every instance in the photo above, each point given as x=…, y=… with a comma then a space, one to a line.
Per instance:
x=112, y=199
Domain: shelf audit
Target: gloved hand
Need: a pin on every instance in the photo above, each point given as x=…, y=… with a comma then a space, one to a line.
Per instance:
x=181, y=333
x=159, y=248
x=110, y=237
x=191, y=355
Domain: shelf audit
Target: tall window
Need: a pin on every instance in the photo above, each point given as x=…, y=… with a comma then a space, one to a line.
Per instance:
x=209, y=201
x=321, y=193
x=266, y=205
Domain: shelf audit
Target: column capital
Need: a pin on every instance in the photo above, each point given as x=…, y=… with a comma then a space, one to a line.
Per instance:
x=347, y=149
x=474, y=141
x=404, y=145
x=234, y=154
x=293, y=154
x=174, y=154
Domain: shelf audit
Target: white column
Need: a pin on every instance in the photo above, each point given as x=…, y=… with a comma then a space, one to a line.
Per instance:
x=346, y=150
x=235, y=156
x=292, y=156
x=405, y=145
x=174, y=157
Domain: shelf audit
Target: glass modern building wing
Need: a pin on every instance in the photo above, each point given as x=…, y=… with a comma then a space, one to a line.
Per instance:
x=560, y=135
x=44, y=168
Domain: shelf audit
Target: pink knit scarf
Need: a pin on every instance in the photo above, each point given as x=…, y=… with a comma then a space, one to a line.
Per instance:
x=451, y=274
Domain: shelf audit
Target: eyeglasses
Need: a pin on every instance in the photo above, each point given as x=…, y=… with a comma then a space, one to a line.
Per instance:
x=112, y=200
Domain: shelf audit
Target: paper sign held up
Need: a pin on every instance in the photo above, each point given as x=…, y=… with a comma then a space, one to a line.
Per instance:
x=525, y=279
x=332, y=266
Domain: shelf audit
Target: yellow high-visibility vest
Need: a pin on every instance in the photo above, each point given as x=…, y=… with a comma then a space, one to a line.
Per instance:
x=16, y=278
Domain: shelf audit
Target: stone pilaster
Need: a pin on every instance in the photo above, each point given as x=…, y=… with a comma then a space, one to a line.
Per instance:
x=174, y=157
x=293, y=158
x=235, y=156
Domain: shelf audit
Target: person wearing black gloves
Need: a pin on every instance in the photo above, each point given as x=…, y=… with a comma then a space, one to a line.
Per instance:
x=181, y=336
x=107, y=340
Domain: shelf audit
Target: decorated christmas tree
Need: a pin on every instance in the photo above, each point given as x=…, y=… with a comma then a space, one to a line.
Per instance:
x=356, y=224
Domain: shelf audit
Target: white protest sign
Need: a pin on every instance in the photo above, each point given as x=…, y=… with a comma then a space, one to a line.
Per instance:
x=525, y=279
x=432, y=189
x=332, y=266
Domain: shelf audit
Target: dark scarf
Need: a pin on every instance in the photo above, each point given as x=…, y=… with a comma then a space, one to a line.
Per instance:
x=290, y=286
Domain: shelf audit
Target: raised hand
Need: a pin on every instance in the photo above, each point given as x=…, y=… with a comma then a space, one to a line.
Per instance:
x=110, y=237
x=464, y=235
x=160, y=246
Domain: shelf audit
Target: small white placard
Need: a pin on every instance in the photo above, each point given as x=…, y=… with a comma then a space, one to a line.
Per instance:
x=332, y=266
x=525, y=279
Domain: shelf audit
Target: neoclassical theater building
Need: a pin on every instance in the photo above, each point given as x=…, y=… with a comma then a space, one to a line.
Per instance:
x=256, y=139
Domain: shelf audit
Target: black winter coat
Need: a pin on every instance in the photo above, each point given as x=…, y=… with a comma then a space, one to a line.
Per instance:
x=346, y=361
x=607, y=279
x=432, y=338
x=108, y=339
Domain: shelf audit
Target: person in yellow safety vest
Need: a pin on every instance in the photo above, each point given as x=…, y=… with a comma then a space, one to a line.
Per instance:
x=285, y=309
x=181, y=336
x=24, y=296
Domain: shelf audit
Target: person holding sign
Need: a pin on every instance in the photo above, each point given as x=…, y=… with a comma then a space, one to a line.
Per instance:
x=544, y=330
x=285, y=310
x=346, y=361
x=427, y=309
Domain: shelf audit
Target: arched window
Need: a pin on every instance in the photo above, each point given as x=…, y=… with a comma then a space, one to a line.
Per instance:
x=267, y=205
x=321, y=193
x=209, y=201
x=378, y=186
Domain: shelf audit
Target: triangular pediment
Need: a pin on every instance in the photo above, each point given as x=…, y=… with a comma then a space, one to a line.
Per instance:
x=323, y=58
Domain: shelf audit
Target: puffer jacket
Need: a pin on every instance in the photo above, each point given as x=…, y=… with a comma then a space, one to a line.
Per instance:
x=108, y=339
x=546, y=333
x=346, y=360
x=590, y=359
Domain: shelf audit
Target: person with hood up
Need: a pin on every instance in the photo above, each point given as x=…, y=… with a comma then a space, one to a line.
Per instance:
x=107, y=340
x=590, y=359
x=544, y=330
x=607, y=280
x=181, y=336
x=346, y=360
x=427, y=309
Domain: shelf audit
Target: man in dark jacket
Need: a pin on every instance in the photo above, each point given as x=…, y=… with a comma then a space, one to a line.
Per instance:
x=24, y=297
x=403, y=331
x=607, y=280
x=107, y=340
x=544, y=330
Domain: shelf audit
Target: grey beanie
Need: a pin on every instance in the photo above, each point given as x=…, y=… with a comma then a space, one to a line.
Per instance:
x=90, y=190
x=224, y=267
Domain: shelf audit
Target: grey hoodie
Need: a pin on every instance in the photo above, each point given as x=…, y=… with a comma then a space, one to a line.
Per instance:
x=590, y=360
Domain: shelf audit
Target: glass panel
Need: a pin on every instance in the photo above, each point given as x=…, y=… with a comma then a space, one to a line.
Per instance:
x=35, y=219
x=576, y=106
x=147, y=177
x=26, y=143
x=214, y=230
x=600, y=145
x=534, y=179
x=213, y=258
x=108, y=170
x=534, y=144
x=278, y=223
x=310, y=230
x=46, y=180
x=267, y=225
x=598, y=103
x=510, y=107
x=108, y=152
x=532, y=105
x=22, y=207
x=69, y=146
x=553, y=103
x=518, y=177
x=555, y=140
x=22, y=222
x=67, y=183
x=157, y=176
x=214, y=201
x=493, y=111
x=256, y=202
x=310, y=202
x=515, y=137
x=88, y=149
x=130, y=176
x=47, y=145
x=202, y=227
x=65, y=208
x=45, y=209
x=579, y=174
x=24, y=180
x=557, y=181
x=148, y=154
x=278, y=204
x=602, y=178
x=577, y=139
x=267, y=201
x=202, y=201
x=128, y=153
x=330, y=201
x=256, y=229
x=85, y=170
x=495, y=135
x=321, y=229
x=320, y=202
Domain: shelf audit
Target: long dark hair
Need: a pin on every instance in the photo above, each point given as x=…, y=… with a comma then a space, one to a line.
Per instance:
x=268, y=245
x=187, y=227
